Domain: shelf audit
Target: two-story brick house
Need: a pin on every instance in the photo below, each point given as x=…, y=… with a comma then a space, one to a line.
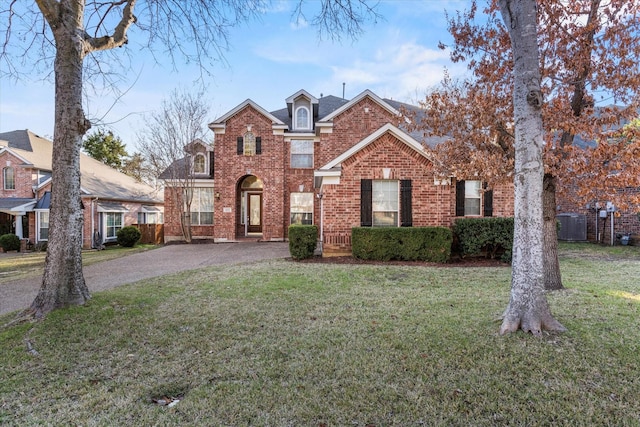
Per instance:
x=327, y=161
x=110, y=199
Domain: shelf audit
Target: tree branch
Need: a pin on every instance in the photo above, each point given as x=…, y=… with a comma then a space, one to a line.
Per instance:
x=119, y=36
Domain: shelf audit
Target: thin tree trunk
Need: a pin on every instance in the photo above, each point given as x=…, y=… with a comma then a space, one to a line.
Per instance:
x=63, y=282
x=552, y=276
x=528, y=308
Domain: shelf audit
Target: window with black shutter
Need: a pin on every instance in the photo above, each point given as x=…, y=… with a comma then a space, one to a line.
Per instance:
x=488, y=202
x=460, y=198
x=240, y=145
x=366, y=194
x=406, y=215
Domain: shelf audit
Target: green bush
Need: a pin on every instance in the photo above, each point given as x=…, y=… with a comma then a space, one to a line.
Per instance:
x=404, y=243
x=128, y=236
x=491, y=236
x=10, y=242
x=302, y=240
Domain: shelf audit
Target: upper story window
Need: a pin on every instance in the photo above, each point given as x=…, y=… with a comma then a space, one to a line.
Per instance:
x=199, y=163
x=302, y=118
x=301, y=153
x=8, y=176
x=249, y=144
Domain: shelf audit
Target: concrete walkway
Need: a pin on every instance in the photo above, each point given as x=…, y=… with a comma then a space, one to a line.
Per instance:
x=170, y=259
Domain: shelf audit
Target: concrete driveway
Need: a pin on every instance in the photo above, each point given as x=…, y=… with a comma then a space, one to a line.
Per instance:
x=170, y=259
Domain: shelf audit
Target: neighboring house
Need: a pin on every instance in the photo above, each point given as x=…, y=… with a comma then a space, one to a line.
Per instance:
x=327, y=161
x=110, y=199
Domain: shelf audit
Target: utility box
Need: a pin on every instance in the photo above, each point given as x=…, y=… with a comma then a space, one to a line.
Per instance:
x=573, y=227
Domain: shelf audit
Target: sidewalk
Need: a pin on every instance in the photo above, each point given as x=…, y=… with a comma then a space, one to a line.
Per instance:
x=169, y=259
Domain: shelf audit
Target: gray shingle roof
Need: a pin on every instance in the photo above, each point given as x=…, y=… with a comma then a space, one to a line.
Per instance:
x=97, y=179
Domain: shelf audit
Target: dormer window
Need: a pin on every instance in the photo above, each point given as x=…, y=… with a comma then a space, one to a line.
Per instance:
x=302, y=118
x=199, y=163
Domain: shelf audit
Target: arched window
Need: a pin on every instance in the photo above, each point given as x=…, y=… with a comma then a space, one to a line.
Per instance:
x=302, y=118
x=9, y=178
x=199, y=163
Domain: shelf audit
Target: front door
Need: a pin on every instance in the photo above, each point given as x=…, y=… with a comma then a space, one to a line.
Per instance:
x=254, y=212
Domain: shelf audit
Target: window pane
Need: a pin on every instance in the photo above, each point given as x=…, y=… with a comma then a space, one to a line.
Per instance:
x=301, y=208
x=249, y=144
x=302, y=118
x=472, y=197
x=9, y=179
x=202, y=206
x=385, y=219
x=301, y=153
x=198, y=164
x=385, y=203
x=43, y=219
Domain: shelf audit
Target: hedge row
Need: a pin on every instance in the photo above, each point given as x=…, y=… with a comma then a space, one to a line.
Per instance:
x=302, y=240
x=407, y=244
x=491, y=236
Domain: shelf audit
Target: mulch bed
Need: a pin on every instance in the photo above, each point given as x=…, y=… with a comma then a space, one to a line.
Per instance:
x=456, y=262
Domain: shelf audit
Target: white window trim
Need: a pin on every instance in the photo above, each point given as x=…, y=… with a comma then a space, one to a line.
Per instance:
x=312, y=153
x=204, y=164
x=373, y=201
x=4, y=177
x=291, y=212
x=104, y=225
x=307, y=125
x=38, y=238
x=467, y=197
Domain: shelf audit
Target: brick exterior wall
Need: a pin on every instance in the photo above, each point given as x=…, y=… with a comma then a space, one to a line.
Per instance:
x=432, y=204
x=22, y=176
x=599, y=229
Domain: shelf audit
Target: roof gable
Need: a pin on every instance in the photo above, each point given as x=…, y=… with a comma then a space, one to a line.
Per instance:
x=220, y=122
x=396, y=132
x=354, y=101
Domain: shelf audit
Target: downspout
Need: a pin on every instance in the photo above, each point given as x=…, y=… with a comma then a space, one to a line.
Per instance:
x=321, y=221
x=93, y=230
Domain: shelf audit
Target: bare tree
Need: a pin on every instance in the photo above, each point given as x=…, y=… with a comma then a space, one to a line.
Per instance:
x=168, y=143
x=528, y=308
x=71, y=34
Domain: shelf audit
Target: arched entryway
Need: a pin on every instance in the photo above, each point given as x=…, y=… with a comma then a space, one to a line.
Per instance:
x=249, y=199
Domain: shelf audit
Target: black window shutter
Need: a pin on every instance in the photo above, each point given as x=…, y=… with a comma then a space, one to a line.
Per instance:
x=240, y=145
x=211, y=164
x=406, y=215
x=258, y=145
x=460, y=198
x=366, y=198
x=488, y=202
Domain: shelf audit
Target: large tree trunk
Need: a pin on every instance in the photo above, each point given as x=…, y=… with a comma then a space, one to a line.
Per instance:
x=552, y=277
x=528, y=308
x=63, y=282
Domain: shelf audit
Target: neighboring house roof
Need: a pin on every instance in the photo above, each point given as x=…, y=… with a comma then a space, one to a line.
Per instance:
x=16, y=204
x=96, y=178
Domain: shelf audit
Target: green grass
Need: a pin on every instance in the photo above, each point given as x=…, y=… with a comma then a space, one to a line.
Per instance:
x=23, y=265
x=280, y=343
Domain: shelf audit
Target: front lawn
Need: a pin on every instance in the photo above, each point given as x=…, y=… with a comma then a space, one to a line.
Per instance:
x=280, y=343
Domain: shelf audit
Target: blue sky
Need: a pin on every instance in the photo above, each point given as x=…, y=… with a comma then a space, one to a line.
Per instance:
x=268, y=60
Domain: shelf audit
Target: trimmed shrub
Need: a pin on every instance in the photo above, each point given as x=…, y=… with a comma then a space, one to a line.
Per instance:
x=128, y=236
x=10, y=242
x=431, y=244
x=492, y=237
x=302, y=240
